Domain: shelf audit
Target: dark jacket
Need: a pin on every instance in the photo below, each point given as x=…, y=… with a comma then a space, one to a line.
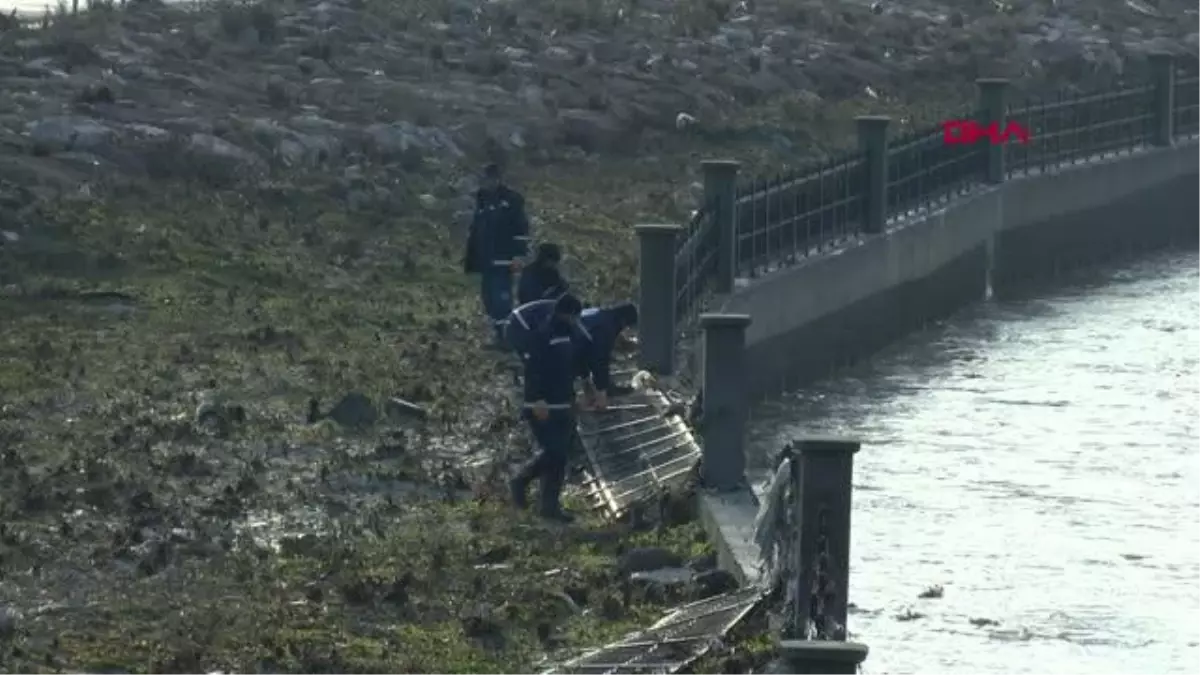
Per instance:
x=524, y=323
x=499, y=231
x=540, y=280
x=596, y=339
x=549, y=369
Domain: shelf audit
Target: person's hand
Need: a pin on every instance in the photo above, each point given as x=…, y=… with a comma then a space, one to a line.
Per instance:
x=539, y=411
x=516, y=265
x=600, y=400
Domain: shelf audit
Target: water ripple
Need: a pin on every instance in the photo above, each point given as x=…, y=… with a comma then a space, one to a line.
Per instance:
x=1037, y=458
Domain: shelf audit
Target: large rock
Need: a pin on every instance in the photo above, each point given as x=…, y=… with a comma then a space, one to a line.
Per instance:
x=57, y=134
x=590, y=130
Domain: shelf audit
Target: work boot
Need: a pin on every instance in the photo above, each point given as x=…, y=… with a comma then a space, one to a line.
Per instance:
x=558, y=515
x=518, y=487
x=551, y=507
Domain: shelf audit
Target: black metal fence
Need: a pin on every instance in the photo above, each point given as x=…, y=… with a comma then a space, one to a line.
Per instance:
x=1070, y=129
x=695, y=264
x=782, y=219
x=786, y=218
x=749, y=228
x=1185, y=111
x=923, y=170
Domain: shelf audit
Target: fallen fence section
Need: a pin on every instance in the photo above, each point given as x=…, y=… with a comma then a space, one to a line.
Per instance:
x=675, y=642
x=635, y=450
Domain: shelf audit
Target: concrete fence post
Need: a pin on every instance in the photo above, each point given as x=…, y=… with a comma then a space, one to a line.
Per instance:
x=827, y=469
x=720, y=192
x=725, y=406
x=818, y=657
x=872, y=140
x=1162, y=133
x=656, y=297
x=993, y=109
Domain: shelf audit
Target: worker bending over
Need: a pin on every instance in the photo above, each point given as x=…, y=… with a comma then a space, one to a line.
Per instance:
x=599, y=329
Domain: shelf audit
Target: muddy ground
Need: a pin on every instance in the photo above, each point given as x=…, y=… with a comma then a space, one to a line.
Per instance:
x=215, y=220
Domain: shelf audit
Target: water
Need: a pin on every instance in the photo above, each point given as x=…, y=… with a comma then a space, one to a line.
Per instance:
x=1038, y=459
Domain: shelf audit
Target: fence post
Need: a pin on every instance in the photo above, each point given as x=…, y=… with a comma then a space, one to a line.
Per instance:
x=993, y=107
x=656, y=297
x=720, y=192
x=1163, y=132
x=827, y=467
x=872, y=140
x=820, y=657
x=724, y=386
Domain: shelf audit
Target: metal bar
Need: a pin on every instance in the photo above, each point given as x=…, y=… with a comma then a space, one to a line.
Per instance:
x=647, y=458
x=661, y=481
x=622, y=425
x=635, y=434
x=639, y=446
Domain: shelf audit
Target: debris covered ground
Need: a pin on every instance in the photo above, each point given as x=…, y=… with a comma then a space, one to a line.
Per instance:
x=230, y=236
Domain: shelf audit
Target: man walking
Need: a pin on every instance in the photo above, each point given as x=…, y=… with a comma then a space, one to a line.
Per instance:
x=549, y=408
x=498, y=239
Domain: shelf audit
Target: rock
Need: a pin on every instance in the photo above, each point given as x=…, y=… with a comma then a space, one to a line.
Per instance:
x=9, y=619
x=56, y=134
x=647, y=559
x=355, y=411
x=590, y=130
x=210, y=147
x=401, y=138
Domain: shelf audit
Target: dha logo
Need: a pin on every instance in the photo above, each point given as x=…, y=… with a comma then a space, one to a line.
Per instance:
x=959, y=132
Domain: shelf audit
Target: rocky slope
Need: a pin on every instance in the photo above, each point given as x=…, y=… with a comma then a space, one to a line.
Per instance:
x=348, y=87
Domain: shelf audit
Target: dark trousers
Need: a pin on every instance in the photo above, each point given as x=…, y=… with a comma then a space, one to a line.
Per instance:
x=554, y=437
x=496, y=292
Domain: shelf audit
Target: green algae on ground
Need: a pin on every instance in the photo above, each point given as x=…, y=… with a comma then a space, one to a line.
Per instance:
x=131, y=534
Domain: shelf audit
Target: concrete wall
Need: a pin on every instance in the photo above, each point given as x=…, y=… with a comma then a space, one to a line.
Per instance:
x=829, y=311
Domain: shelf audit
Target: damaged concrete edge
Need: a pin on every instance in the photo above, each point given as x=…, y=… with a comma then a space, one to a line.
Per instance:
x=728, y=519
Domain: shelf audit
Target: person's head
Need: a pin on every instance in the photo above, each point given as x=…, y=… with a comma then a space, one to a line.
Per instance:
x=625, y=315
x=492, y=178
x=548, y=254
x=567, y=309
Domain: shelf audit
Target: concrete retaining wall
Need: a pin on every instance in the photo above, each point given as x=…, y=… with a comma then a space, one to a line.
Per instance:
x=830, y=311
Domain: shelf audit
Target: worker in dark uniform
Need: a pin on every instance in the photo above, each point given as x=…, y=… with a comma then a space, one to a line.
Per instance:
x=523, y=325
x=549, y=408
x=599, y=329
x=541, y=278
x=498, y=240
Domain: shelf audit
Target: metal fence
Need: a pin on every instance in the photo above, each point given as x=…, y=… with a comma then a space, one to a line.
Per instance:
x=1067, y=130
x=1185, y=112
x=751, y=227
x=924, y=170
x=695, y=264
x=786, y=218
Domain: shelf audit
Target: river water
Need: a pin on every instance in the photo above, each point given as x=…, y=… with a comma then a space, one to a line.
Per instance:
x=1037, y=458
